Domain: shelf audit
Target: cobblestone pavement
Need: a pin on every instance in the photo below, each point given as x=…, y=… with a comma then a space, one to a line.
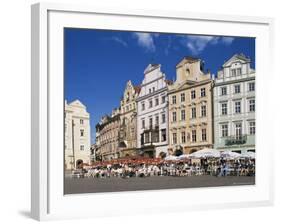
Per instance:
x=114, y=184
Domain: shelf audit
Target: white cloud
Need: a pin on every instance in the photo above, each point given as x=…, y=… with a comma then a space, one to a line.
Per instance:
x=120, y=41
x=168, y=46
x=196, y=44
x=227, y=40
x=146, y=40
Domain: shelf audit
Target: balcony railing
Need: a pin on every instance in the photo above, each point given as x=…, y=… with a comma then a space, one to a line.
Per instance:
x=236, y=140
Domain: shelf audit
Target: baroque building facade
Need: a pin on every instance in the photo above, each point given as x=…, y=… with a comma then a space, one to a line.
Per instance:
x=234, y=106
x=107, y=136
x=128, y=121
x=152, y=113
x=77, y=135
x=190, y=108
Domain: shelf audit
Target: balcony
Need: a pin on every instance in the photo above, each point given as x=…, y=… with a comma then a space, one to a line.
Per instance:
x=235, y=140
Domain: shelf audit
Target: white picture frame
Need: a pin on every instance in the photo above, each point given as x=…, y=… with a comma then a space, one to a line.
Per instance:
x=48, y=201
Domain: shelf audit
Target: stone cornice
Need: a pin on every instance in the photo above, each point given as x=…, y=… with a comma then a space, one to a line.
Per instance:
x=234, y=81
x=140, y=98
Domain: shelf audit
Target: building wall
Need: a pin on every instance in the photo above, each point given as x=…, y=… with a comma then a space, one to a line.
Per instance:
x=153, y=89
x=190, y=79
x=227, y=80
x=77, y=134
x=108, y=136
x=128, y=121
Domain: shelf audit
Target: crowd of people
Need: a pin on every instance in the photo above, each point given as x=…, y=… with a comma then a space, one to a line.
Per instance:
x=157, y=167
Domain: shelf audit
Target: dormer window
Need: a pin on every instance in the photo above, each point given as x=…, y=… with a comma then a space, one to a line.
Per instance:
x=233, y=72
x=239, y=71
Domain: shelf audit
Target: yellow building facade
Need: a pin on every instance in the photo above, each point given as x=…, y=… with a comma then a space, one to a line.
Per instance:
x=190, y=108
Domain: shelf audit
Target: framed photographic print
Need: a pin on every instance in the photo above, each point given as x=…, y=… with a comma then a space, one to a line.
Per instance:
x=161, y=111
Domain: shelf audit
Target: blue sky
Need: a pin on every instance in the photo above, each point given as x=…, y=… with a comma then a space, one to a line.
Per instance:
x=98, y=63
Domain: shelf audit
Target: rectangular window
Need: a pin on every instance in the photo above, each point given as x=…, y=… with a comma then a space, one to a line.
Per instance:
x=174, y=138
x=150, y=122
x=150, y=103
x=193, y=94
x=142, y=106
x=155, y=136
x=143, y=124
x=237, y=89
x=233, y=72
x=174, y=99
x=203, y=92
x=237, y=107
x=81, y=132
x=204, y=135
x=183, y=138
x=239, y=71
x=183, y=115
x=163, y=118
x=193, y=135
x=223, y=91
x=146, y=137
x=157, y=120
x=163, y=135
x=251, y=86
x=193, y=112
x=224, y=130
x=252, y=105
x=81, y=121
x=224, y=108
x=163, y=99
x=156, y=101
x=238, y=130
x=182, y=97
x=252, y=127
x=174, y=118
x=203, y=111
x=82, y=147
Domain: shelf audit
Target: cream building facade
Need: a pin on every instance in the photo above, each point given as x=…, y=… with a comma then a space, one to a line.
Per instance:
x=77, y=135
x=190, y=108
x=128, y=121
x=152, y=113
x=234, y=106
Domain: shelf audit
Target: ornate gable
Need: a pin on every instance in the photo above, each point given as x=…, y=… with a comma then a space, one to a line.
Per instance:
x=241, y=58
x=77, y=103
x=151, y=67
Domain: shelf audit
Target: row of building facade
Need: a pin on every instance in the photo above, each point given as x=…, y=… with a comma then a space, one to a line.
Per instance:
x=196, y=111
x=161, y=117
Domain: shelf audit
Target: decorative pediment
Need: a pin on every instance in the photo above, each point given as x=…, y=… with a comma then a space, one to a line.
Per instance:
x=77, y=103
x=185, y=84
x=237, y=58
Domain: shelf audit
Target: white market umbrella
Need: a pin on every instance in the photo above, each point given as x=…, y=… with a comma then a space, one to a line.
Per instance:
x=170, y=157
x=230, y=155
x=205, y=153
x=183, y=156
x=250, y=155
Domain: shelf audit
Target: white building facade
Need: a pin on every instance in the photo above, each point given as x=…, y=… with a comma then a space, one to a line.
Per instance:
x=152, y=113
x=77, y=135
x=234, y=106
